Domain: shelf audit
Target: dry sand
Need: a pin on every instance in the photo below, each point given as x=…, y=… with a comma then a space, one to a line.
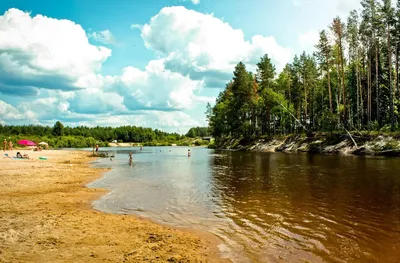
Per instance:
x=46, y=216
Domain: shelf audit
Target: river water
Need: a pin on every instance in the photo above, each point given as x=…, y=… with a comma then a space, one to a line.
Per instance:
x=265, y=207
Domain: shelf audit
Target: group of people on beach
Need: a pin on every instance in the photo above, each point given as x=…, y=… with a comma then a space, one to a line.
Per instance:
x=7, y=146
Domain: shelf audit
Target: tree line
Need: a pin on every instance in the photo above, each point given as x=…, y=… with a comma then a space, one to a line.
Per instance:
x=197, y=132
x=350, y=82
x=97, y=134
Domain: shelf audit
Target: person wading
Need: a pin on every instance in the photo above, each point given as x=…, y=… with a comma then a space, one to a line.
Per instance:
x=130, y=158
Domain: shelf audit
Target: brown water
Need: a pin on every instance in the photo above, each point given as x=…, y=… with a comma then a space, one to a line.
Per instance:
x=266, y=207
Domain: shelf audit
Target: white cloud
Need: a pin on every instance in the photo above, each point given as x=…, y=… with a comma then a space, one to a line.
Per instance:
x=105, y=37
x=96, y=101
x=195, y=2
x=205, y=44
x=9, y=113
x=48, y=110
x=136, y=26
x=42, y=52
x=45, y=108
x=156, y=88
x=308, y=40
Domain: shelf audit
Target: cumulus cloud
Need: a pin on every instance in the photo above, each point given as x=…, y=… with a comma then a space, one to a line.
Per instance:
x=9, y=114
x=41, y=52
x=95, y=101
x=45, y=108
x=156, y=88
x=308, y=40
x=206, y=45
x=49, y=110
x=105, y=37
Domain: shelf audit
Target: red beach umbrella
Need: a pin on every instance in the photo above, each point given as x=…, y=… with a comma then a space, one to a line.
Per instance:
x=26, y=142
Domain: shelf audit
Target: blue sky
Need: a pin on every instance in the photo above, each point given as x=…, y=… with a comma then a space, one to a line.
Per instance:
x=141, y=62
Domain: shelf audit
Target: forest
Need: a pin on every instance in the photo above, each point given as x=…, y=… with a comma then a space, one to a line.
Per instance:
x=350, y=82
x=81, y=136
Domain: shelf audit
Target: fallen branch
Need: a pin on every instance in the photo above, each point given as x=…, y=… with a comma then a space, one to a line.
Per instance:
x=351, y=137
x=293, y=117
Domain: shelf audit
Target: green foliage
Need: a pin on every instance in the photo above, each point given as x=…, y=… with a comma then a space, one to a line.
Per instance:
x=58, y=129
x=391, y=145
x=387, y=146
x=201, y=143
x=78, y=137
x=350, y=83
x=198, y=132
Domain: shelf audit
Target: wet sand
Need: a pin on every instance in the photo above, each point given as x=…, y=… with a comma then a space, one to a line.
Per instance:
x=46, y=216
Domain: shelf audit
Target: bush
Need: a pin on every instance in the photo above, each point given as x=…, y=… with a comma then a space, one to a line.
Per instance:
x=391, y=145
x=211, y=145
x=201, y=143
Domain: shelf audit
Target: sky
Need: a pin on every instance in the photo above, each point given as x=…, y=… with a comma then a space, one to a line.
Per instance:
x=138, y=62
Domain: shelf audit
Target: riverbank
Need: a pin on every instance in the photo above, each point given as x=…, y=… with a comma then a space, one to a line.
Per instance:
x=361, y=144
x=182, y=142
x=46, y=216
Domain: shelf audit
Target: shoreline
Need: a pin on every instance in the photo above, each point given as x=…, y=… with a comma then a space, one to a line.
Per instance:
x=331, y=144
x=46, y=215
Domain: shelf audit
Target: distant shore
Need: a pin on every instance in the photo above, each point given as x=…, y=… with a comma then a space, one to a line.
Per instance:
x=128, y=144
x=46, y=216
x=122, y=144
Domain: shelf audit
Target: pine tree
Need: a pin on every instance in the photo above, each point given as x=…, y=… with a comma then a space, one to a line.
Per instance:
x=324, y=55
x=388, y=16
x=337, y=28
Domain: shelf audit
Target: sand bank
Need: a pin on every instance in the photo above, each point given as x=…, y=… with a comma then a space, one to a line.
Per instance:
x=46, y=216
x=122, y=144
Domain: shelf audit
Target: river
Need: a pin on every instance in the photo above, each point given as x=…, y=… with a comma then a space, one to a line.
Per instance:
x=265, y=207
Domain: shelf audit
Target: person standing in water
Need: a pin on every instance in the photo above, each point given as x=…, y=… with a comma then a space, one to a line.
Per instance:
x=130, y=158
x=189, y=153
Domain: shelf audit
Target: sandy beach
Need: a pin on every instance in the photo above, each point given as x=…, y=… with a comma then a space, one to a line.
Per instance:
x=46, y=216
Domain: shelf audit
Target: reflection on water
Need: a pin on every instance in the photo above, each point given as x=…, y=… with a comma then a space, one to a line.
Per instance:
x=266, y=207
